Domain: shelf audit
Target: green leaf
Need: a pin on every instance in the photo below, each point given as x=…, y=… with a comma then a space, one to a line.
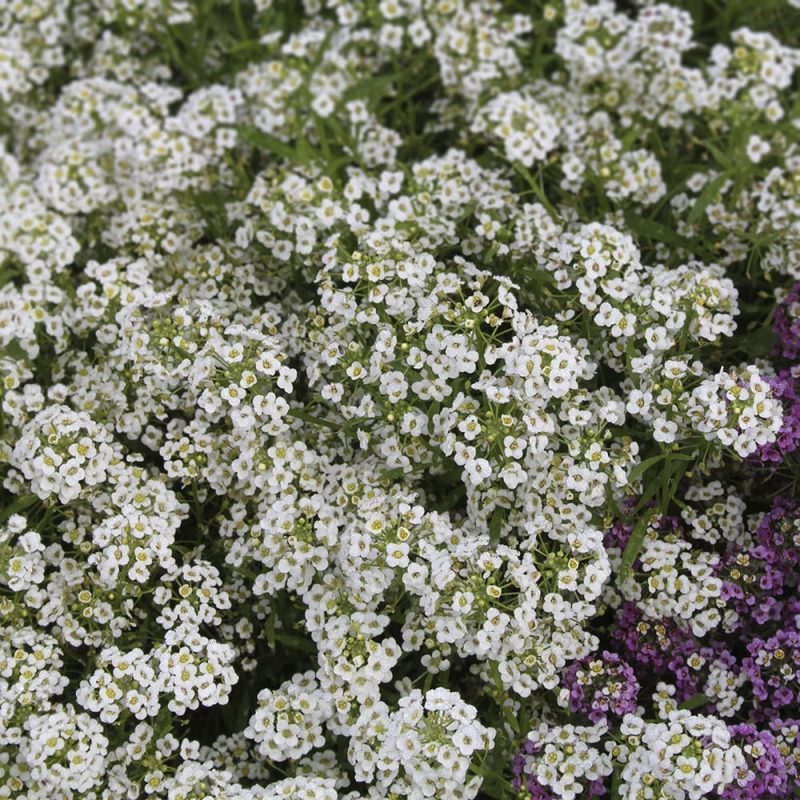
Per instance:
x=513, y=722
x=6, y=276
x=658, y=232
x=491, y=788
x=263, y=141
x=14, y=351
x=391, y=474
x=615, y=779
x=299, y=643
x=306, y=417
x=642, y=467
x=398, y=472
x=721, y=158
x=695, y=701
x=21, y=504
x=647, y=494
x=372, y=89
x=706, y=196
x=639, y=470
x=496, y=524
x=756, y=343
x=673, y=480
x=269, y=630
x=536, y=187
x=634, y=544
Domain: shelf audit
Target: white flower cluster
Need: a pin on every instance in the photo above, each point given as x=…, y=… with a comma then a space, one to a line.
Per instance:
x=736, y=409
x=198, y=672
x=686, y=756
x=526, y=128
x=422, y=750
x=30, y=675
x=288, y=722
x=23, y=560
x=59, y=452
x=568, y=757
x=714, y=513
x=723, y=685
x=676, y=581
x=62, y=750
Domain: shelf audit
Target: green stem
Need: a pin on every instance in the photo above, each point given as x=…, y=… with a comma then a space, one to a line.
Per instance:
x=237, y=16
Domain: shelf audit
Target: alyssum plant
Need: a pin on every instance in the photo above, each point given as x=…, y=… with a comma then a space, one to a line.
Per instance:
x=399, y=399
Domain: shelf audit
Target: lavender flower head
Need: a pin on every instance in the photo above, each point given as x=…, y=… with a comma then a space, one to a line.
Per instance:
x=785, y=388
x=599, y=687
x=787, y=324
x=770, y=774
x=773, y=667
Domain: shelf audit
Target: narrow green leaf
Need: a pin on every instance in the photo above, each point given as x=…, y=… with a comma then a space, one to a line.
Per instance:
x=14, y=351
x=720, y=157
x=634, y=544
x=372, y=89
x=6, y=275
x=490, y=788
x=706, y=196
x=644, y=499
x=513, y=722
x=495, y=525
x=263, y=141
x=296, y=642
x=642, y=467
x=695, y=701
x=269, y=630
x=300, y=414
x=657, y=231
x=672, y=483
x=615, y=779
x=537, y=188
x=21, y=504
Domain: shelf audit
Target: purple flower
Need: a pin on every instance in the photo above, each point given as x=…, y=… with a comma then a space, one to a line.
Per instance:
x=757, y=581
x=786, y=389
x=779, y=533
x=787, y=324
x=770, y=774
x=649, y=644
x=773, y=667
x=535, y=789
x=752, y=585
x=602, y=686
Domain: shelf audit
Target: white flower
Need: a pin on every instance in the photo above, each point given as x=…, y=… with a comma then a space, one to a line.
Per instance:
x=477, y=471
x=664, y=430
x=757, y=148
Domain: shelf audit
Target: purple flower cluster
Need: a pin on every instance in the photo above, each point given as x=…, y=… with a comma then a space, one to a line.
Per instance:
x=772, y=771
x=779, y=532
x=534, y=788
x=648, y=644
x=690, y=668
x=757, y=581
x=773, y=667
x=599, y=687
x=787, y=324
x=745, y=671
x=786, y=388
x=661, y=649
x=752, y=586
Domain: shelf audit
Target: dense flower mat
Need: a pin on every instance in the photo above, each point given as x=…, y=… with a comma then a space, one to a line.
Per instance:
x=400, y=399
